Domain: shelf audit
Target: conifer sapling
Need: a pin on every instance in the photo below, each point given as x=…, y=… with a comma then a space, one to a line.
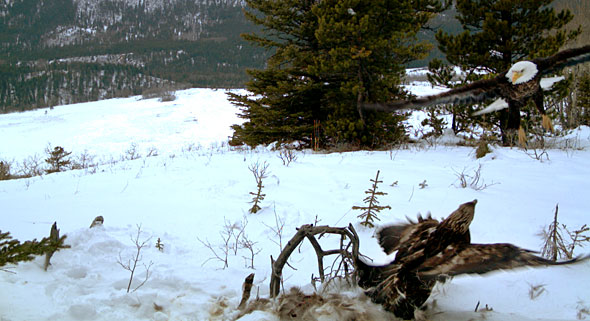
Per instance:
x=370, y=211
x=160, y=245
x=58, y=159
x=259, y=173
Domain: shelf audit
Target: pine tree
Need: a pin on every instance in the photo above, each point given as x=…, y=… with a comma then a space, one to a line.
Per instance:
x=373, y=208
x=498, y=33
x=58, y=159
x=260, y=172
x=284, y=95
x=328, y=57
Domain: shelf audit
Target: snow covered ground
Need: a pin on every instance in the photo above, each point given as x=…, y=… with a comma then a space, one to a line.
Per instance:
x=197, y=188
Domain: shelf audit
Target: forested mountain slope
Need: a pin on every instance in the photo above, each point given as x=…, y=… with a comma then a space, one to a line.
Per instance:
x=65, y=51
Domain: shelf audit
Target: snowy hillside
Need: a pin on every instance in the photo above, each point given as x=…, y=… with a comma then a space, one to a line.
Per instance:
x=197, y=188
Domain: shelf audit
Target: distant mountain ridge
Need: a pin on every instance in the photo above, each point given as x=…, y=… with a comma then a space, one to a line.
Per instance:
x=74, y=21
x=68, y=51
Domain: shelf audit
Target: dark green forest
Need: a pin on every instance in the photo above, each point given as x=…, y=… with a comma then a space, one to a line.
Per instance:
x=67, y=51
x=53, y=52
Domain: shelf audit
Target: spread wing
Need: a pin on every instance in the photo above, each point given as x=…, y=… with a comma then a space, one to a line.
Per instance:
x=474, y=92
x=392, y=238
x=562, y=59
x=482, y=258
x=481, y=90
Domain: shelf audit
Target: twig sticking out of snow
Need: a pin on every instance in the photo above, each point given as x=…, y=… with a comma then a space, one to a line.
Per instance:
x=246, y=292
x=131, y=264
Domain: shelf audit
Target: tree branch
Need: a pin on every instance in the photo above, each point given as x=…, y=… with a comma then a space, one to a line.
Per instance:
x=309, y=231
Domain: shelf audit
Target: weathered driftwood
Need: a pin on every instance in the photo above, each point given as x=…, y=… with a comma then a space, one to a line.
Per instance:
x=310, y=231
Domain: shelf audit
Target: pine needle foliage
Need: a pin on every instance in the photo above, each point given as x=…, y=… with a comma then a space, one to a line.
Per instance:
x=13, y=251
x=373, y=208
x=327, y=58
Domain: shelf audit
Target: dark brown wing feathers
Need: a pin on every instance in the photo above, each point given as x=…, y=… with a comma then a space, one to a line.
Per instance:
x=565, y=58
x=482, y=258
x=472, y=92
x=428, y=250
x=432, y=248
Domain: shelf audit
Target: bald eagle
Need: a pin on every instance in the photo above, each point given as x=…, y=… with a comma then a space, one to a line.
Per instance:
x=514, y=88
x=430, y=251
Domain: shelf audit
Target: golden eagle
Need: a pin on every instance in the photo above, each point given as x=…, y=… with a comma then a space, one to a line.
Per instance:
x=428, y=251
x=514, y=88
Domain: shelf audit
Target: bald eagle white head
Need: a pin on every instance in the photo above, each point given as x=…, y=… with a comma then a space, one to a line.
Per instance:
x=521, y=72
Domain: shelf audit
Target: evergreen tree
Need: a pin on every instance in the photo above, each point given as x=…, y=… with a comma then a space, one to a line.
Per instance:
x=58, y=159
x=498, y=33
x=373, y=208
x=286, y=97
x=329, y=57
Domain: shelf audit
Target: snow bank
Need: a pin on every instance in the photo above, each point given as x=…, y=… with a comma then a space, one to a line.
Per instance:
x=189, y=197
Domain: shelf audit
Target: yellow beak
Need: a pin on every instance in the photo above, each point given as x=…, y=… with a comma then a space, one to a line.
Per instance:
x=516, y=75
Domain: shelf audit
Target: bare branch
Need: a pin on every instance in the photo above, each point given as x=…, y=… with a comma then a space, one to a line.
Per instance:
x=216, y=256
x=147, y=276
x=309, y=231
x=131, y=264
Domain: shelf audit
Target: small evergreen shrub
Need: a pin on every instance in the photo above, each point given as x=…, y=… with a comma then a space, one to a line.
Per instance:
x=160, y=245
x=370, y=211
x=260, y=172
x=58, y=159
